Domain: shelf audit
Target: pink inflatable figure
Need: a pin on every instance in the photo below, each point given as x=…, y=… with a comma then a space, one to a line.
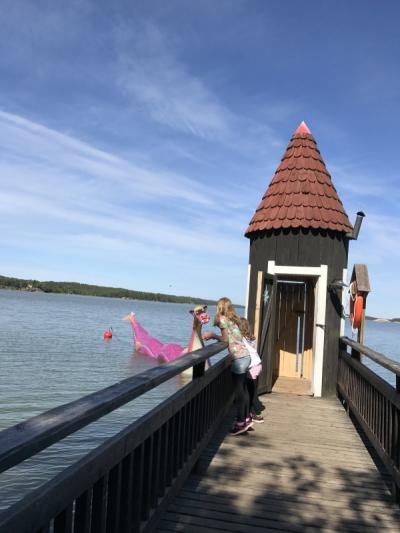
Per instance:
x=149, y=345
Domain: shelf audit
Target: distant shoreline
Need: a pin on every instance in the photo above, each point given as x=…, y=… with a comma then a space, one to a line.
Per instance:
x=383, y=320
x=84, y=289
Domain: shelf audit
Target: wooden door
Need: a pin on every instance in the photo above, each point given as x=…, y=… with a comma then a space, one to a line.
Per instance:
x=266, y=340
x=294, y=316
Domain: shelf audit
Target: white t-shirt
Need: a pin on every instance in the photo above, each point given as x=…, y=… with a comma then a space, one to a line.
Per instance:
x=254, y=357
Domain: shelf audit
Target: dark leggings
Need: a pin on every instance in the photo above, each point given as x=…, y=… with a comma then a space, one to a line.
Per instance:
x=241, y=396
x=254, y=402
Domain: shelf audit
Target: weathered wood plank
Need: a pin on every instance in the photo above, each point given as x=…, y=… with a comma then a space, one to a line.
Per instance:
x=262, y=515
x=168, y=525
x=309, y=500
x=299, y=471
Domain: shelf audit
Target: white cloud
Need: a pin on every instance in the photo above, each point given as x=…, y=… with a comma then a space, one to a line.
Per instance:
x=92, y=202
x=152, y=76
x=378, y=240
x=50, y=154
x=360, y=185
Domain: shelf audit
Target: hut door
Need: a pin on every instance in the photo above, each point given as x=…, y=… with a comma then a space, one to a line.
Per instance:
x=266, y=341
x=293, y=356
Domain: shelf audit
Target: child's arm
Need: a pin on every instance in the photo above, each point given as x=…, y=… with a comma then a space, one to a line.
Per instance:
x=208, y=335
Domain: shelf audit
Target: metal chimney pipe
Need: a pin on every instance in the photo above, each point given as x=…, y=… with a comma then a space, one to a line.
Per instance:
x=357, y=225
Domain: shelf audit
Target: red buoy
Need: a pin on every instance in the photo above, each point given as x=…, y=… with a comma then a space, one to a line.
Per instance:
x=107, y=334
x=356, y=311
x=356, y=306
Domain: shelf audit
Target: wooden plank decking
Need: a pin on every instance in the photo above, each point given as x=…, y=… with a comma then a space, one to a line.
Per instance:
x=305, y=469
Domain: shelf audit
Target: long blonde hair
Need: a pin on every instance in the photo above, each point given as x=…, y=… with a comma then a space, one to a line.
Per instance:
x=225, y=308
x=245, y=329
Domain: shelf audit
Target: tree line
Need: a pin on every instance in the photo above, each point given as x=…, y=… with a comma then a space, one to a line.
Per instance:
x=84, y=289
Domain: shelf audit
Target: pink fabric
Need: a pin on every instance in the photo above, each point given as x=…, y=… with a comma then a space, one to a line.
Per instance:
x=254, y=371
x=148, y=345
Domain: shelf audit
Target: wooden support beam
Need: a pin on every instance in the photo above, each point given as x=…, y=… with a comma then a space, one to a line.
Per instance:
x=257, y=314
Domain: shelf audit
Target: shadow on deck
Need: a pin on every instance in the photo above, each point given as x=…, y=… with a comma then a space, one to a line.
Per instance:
x=305, y=469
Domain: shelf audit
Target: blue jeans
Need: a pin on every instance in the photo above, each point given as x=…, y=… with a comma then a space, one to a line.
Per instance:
x=240, y=366
x=238, y=372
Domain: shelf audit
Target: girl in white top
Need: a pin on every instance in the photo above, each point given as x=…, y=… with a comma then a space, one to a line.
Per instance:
x=253, y=372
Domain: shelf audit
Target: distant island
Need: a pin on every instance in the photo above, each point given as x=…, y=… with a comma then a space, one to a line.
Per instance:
x=69, y=287
x=376, y=319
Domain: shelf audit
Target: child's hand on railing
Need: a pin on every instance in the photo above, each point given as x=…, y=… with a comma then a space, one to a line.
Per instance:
x=208, y=335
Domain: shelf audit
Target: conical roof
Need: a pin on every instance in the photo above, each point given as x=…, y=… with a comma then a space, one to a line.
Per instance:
x=301, y=193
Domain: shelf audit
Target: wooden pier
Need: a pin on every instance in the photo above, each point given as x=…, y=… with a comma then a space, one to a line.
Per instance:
x=304, y=469
x=307, y=468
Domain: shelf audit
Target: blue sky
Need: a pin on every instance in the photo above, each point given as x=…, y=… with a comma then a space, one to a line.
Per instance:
x=138, y=137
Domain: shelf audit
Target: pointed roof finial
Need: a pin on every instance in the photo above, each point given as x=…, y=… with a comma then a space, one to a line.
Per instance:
x=301, y=193
x=303, y=128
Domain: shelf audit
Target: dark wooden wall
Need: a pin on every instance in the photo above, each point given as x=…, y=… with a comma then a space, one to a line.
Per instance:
x=311, y=248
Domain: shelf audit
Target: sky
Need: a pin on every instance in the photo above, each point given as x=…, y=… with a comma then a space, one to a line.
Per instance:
x=138, y=137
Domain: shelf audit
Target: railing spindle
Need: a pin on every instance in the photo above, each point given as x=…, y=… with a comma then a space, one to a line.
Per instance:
x=127, y=480
x=113, y=499
x=171, y=443
x=99, y=505
x=63, y=521
x=155, y=477
x=148, y=465
x=82, y=512
x=136, y=509
x=162, y=481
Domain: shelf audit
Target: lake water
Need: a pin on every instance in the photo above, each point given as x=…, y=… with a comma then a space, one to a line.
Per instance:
x=52, y=352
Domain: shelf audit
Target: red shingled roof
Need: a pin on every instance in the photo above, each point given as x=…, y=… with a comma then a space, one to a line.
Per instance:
x=301, y=193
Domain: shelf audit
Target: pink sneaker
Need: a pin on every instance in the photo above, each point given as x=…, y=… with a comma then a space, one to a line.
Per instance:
x=249, y=422
x=259, y=419
x=239, y=427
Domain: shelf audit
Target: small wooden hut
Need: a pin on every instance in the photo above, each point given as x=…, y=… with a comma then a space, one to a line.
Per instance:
x=299, y=238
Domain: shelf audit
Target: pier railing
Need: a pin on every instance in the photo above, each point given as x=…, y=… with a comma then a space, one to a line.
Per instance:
x=373, y=402
x=126, y=482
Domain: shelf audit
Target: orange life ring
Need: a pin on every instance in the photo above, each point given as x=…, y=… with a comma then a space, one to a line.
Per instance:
x=356, y=310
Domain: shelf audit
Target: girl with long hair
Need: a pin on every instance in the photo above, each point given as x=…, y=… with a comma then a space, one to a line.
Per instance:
x=228, y=321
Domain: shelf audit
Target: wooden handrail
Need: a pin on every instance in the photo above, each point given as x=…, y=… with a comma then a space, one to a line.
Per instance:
x=137, y=471
x=123, y=484
x=379, y=358
x=381, y=385
x=373, y=402
x=27, y=438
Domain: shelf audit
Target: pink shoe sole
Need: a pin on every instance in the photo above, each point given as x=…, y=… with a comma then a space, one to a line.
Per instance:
x=239, y=429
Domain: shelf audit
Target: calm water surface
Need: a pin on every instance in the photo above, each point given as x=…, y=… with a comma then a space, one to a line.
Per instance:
x=52, y=352
x=384, y=337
